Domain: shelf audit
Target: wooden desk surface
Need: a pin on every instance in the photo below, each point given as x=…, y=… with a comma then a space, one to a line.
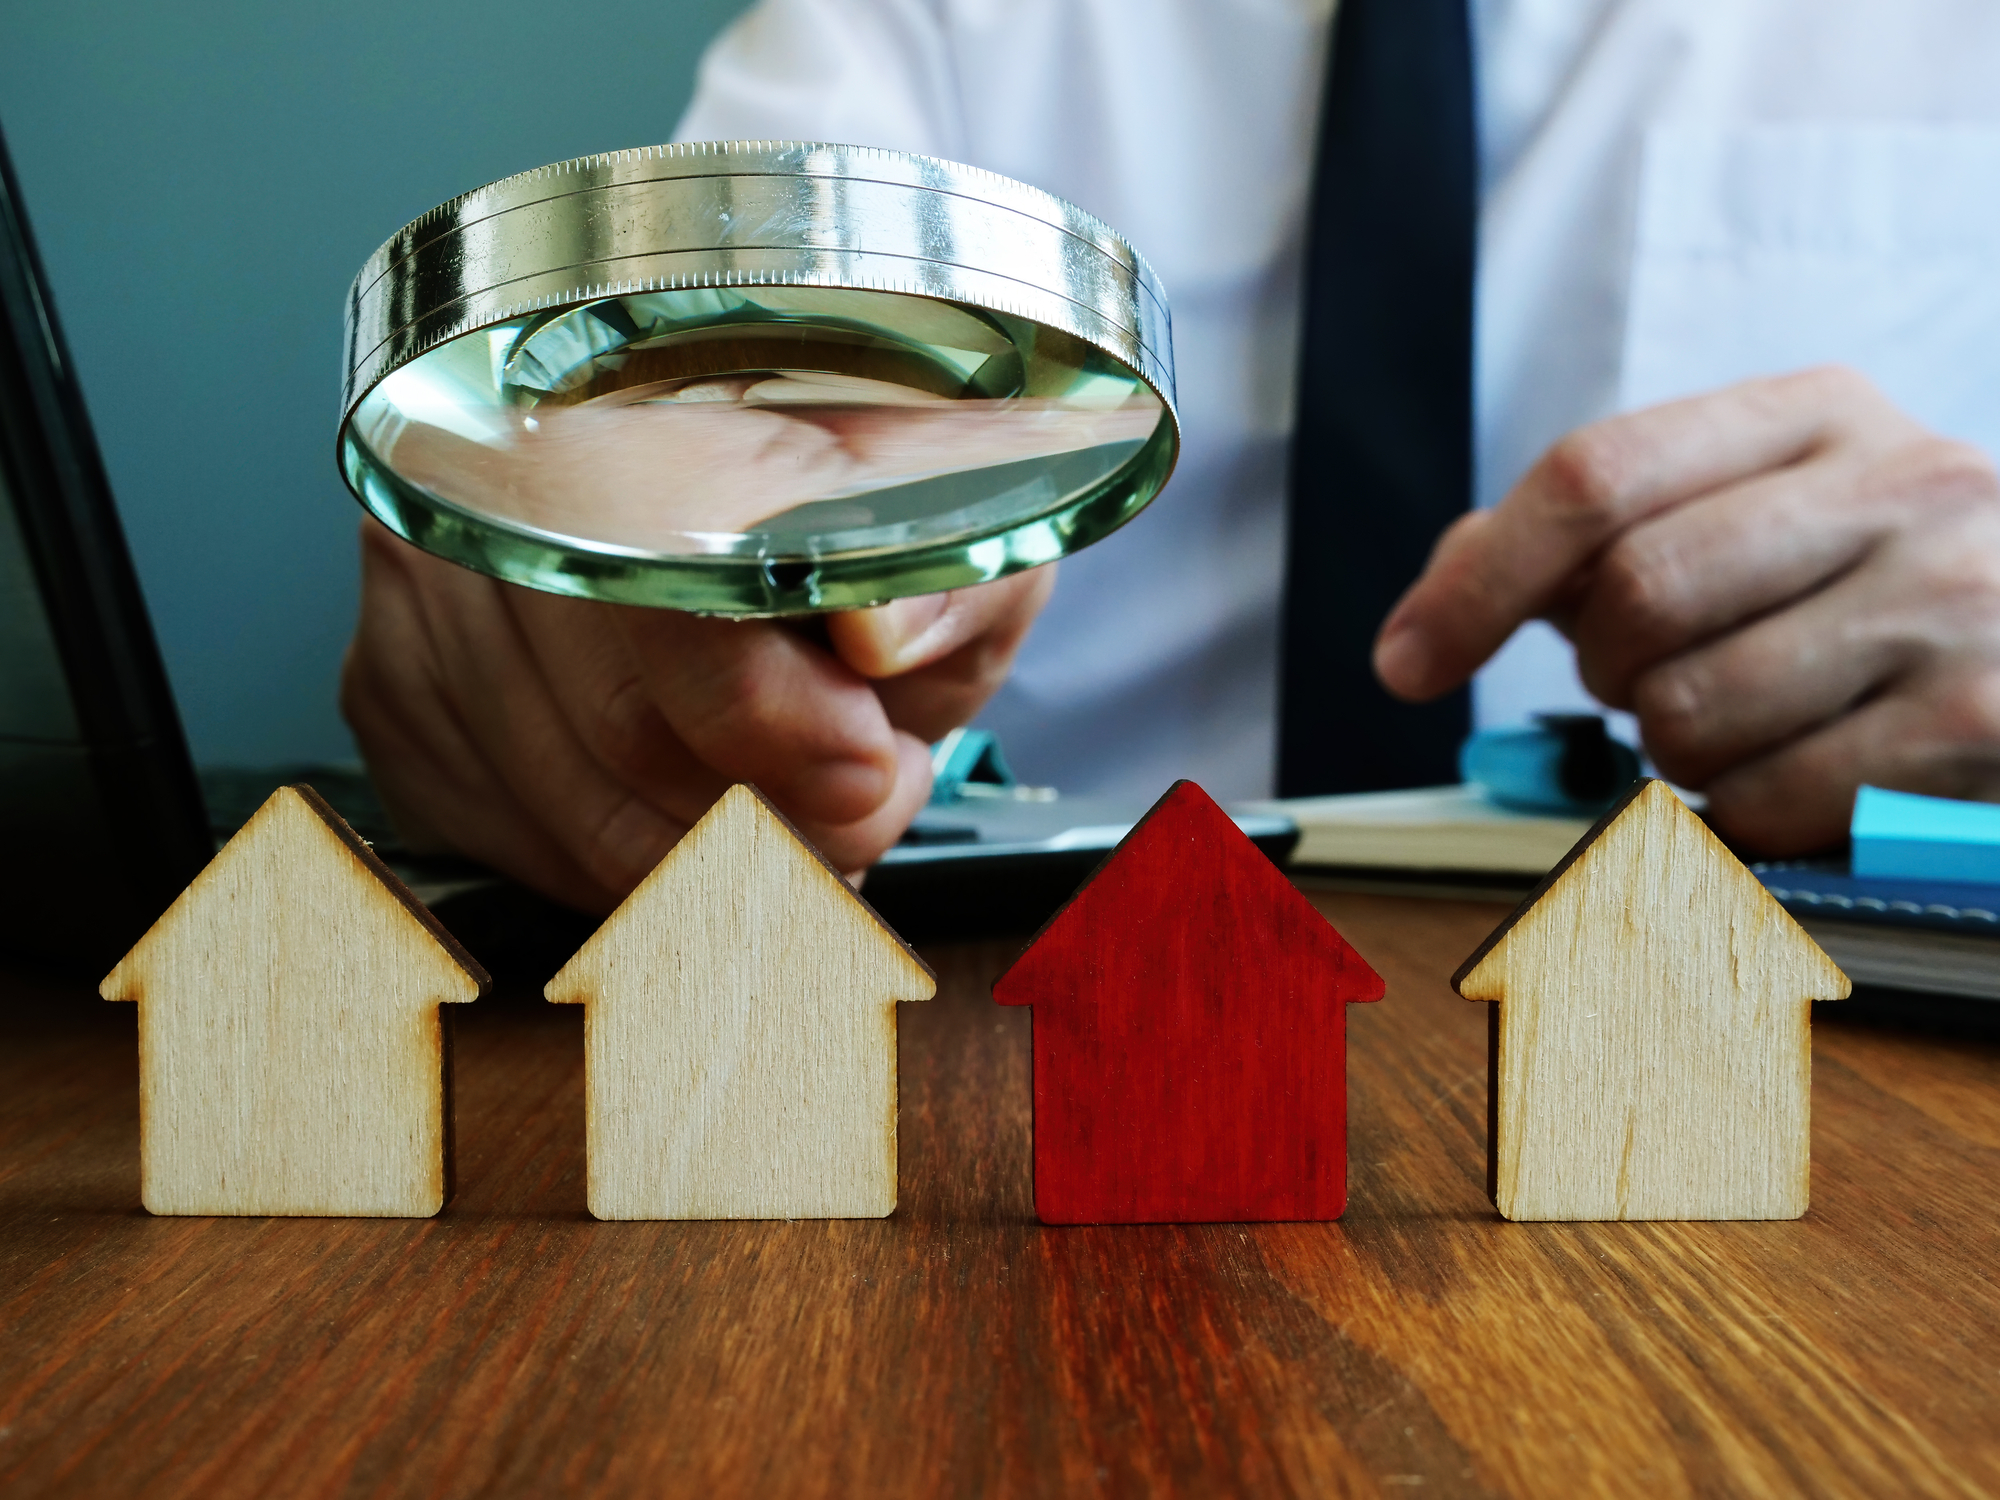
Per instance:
x=1420, y=1346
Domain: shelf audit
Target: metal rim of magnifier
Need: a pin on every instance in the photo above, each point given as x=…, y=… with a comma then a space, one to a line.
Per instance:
x=748, y=214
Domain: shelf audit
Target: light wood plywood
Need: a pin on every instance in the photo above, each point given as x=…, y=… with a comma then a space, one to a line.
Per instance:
x=292, y=1056
x=1653, y=1049
x=740, y=1033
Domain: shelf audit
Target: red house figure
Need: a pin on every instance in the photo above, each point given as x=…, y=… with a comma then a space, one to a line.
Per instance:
x=1190, y=1034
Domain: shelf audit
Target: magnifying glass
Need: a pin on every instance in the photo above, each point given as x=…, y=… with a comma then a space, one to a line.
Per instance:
x=756, y=378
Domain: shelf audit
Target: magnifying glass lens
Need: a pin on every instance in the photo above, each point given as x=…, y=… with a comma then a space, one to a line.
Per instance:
x=788, y=424
x=756, y=378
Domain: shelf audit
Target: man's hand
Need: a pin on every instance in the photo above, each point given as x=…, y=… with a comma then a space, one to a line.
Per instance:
x=1793, y=585
x=571, y=743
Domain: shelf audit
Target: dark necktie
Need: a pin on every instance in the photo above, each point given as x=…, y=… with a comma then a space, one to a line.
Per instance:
x=1382, y=456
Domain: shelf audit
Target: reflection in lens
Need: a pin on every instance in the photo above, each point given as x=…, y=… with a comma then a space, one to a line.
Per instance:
x=767, y=422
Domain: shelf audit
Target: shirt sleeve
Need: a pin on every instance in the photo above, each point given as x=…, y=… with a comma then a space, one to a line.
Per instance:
x=855, y=72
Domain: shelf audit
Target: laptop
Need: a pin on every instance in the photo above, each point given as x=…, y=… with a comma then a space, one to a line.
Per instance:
x=101, y=816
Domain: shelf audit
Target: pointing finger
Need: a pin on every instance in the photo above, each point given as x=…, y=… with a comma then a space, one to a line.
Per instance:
x=1492, y=572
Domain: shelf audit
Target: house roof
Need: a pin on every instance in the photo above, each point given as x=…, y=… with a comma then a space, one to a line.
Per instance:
x=311, y=829
x=1183, y=837
x=1646, y=794
x=706, y=870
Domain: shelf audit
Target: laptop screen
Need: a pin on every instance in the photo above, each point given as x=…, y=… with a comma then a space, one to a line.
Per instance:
x=101, y=819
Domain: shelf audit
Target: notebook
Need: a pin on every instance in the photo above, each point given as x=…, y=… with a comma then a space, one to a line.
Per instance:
x=1937, y=937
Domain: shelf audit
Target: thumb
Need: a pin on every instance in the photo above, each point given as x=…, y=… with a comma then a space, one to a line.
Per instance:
x=906, y=634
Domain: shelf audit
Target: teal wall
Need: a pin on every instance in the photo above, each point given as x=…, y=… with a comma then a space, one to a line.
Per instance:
x=204, y=180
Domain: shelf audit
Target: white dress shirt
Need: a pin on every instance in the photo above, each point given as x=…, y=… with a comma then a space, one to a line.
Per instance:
x=1676, y=194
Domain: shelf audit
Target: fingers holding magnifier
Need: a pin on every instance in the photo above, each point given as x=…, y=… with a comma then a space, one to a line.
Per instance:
x=905, y=635
x=440, y=770
x=494, y=683
x=933, y=700
x=853, y=847
x=757, y=701
x=573, y=743
x=594, y=675
x=594, y=670
x=935, y=660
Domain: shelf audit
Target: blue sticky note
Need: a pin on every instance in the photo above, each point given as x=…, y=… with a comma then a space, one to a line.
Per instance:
x=1901, y=836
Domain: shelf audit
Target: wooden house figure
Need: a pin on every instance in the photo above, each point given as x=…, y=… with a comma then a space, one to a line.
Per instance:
x=740, y=1033
x=1190, y=1034
x=292, y=1056
x=1652, y=1031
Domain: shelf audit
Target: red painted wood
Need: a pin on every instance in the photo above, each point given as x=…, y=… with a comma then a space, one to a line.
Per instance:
x=1190, y=1034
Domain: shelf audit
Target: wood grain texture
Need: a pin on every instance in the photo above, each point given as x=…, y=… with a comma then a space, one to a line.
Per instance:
x=1418, y=1346
x=740, y=1030
x=1190, y=1021
x=292, y=1054
x=1653, y=1054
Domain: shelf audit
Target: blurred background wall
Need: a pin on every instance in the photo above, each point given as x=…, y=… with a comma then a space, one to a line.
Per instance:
x=204, y=179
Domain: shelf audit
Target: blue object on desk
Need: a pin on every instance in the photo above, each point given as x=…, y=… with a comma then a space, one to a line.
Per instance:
x=967, y=757
x=1901, y=836
x=1562, y=763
